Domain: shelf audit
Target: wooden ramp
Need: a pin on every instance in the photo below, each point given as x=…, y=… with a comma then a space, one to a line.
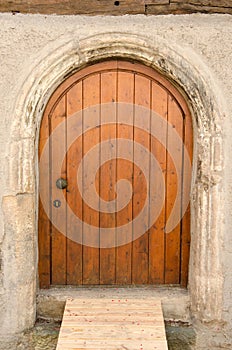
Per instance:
x=132, y=324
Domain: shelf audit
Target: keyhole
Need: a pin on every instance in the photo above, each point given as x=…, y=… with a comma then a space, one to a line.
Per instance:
x=116, y=3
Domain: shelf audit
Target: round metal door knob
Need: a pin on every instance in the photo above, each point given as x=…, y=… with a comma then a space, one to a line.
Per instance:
x=61, y=183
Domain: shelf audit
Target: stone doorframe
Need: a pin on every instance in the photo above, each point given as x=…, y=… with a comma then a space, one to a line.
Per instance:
x=188, y=73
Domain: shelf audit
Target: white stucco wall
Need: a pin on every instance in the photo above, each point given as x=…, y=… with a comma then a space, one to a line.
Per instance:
x=205, y=43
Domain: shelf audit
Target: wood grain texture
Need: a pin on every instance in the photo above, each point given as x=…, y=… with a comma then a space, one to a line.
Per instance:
x=156, y=233
x=185, y=8
x=174, y=171
x=58, y=145
x=111, y=7
x=91, y=97
x=44, y=225
x=66, y=7
x=112, y=324
x=186, y=220
x=216, y=3
x=125, y=171
x=156, y=2
x=108, y=175
x=74, y=198
x=154, y=257
x=141, y=188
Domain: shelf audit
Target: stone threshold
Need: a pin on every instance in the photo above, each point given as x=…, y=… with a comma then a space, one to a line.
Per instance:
x=175, y=300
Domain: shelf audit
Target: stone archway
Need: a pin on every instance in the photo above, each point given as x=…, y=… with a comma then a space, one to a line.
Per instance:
x=182, y=68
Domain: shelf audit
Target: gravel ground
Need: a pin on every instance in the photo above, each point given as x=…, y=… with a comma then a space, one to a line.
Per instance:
x=180, y=337
x=44, y=337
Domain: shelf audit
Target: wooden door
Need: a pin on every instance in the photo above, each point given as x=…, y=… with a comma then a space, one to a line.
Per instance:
x=74, y=254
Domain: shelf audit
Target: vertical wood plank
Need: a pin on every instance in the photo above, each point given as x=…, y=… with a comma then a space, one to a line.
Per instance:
x=125, y=171
x=58, y=146
x=74, y=198
x=91, y=97
x=108, y=174
x=156, y=232
x=155, y=257
x=172, y=264
x=185, y=234
x=44, y=222
x=140, y=245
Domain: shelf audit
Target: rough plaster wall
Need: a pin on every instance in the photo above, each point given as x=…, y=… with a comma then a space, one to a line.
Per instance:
x=25, y=39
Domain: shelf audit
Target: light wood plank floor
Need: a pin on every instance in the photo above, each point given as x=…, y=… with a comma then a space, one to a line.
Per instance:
x=130, y=324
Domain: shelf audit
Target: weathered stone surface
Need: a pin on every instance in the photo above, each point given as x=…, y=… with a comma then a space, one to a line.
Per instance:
x=19, y=264
x=22, y=166
x=175, y=301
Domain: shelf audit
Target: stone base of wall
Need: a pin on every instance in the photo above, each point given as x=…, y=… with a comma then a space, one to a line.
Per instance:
x=175, y=301
x=10, y=343
x=212, y=336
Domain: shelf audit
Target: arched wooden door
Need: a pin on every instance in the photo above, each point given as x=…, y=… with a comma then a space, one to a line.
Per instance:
x=153, y=257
